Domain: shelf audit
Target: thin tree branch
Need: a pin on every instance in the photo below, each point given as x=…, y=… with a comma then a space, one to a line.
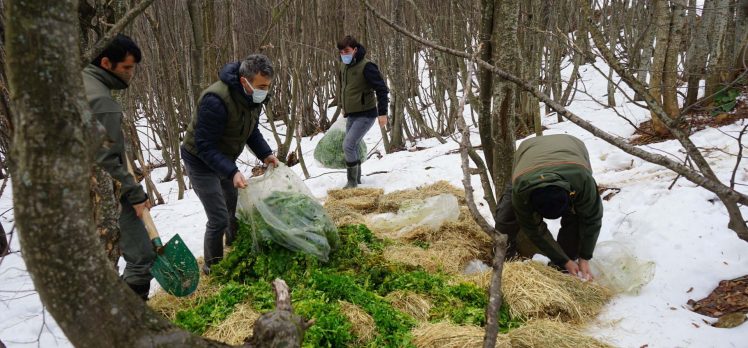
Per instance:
x=105, y=40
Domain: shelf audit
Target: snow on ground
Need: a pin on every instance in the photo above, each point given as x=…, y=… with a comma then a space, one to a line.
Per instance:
x=682, y=230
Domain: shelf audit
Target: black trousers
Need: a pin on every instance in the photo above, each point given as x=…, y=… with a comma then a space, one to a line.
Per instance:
x=506, y=223
x=218, y=197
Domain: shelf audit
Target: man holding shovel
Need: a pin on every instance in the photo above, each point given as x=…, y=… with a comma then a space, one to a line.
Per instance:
x=551, y=179
x=112, y=70
x=226, y=120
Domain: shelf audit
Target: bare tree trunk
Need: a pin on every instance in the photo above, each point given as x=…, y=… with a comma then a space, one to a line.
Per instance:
x=4, y=247
x=698, y=49
x=717, y=67
x=504, y=92
x=398, y=92
x=662, y=23
x=104, y=194
x=670, y=69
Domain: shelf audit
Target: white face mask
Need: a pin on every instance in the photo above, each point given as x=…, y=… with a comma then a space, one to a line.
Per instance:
x=258, y=95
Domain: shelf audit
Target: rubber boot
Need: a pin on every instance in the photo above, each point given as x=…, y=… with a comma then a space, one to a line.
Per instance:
x=352, y=170
x=141, y=290
x=358, y=180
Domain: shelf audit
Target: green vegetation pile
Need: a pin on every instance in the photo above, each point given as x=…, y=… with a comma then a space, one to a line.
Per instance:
x=375, y=291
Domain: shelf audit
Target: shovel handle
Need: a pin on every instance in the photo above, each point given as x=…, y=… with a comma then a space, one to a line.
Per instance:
x=148, y=220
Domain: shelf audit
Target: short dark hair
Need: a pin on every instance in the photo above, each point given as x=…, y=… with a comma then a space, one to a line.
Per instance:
x=347, y=41
x=256, y=64
x=118, y=49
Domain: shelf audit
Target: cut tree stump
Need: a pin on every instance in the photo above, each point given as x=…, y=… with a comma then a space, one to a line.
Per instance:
x=281, y=327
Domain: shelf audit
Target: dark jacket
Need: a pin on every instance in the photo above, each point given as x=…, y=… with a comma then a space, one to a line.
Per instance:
x=372, y=77
x=99, y=84
x=208, y=136
x=560, y=160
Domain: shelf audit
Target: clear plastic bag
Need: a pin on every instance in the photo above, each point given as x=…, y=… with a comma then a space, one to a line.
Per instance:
x=281, y=209
x=616, y=267
x=431, y=212
x=329, y=151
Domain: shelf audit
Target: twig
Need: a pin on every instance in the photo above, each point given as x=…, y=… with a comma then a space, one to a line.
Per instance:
x=105, y=40
x=740, y=156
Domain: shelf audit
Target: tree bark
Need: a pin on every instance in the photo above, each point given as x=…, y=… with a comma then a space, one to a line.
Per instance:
x=502, y=128
x=717, y=67
x=104, y=194
x=662, y=23
x=670, y=69
x=698, y=50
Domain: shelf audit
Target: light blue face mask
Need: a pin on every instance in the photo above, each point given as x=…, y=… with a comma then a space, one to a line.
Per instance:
x=346, y=58
x=258, y=95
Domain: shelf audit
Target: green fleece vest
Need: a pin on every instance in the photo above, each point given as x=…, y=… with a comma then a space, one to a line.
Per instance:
x=242, y=119
x=559, y=160
x=357, y=94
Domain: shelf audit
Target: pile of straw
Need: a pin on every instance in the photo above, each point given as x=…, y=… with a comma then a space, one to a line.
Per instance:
x=551, y=333
x=532, y=291
x=236, y=327
x=362, y=324
x=448, y=335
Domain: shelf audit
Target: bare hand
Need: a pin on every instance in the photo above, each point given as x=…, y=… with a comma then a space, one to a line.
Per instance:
x=382, y=120
x=572, y=267
x=141, y=207
x=239, y=180
x=271, y=160
x=584, y=269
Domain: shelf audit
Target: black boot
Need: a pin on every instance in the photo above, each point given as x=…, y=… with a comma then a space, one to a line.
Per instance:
x=352, y=170
x=141, y=290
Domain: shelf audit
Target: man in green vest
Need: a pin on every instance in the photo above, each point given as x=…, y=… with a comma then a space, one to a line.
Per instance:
x=551, y=179
x=359, y=80
x=227, y=119
x=112, y=70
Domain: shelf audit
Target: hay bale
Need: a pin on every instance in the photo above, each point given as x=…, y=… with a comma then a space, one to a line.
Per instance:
x=450, y=256
x=341, y=214
x=481, y=280
x=448, y=335
x=361, y=200
x=533, y=290
x=392, y=201
x=550, y=333
x=410, y=303
x=168, y=305
x=362, y=324
x=237, y=326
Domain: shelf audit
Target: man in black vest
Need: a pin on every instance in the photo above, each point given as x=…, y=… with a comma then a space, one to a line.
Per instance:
x=227, y=119
x=359, y=80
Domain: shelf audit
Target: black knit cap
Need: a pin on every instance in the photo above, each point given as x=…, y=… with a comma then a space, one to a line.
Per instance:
x=550, y=201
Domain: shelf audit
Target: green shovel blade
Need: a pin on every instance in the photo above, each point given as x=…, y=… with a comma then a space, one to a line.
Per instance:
x=176, y=269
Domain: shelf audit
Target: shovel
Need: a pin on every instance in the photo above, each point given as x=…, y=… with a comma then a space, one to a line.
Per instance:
x=175, y=268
